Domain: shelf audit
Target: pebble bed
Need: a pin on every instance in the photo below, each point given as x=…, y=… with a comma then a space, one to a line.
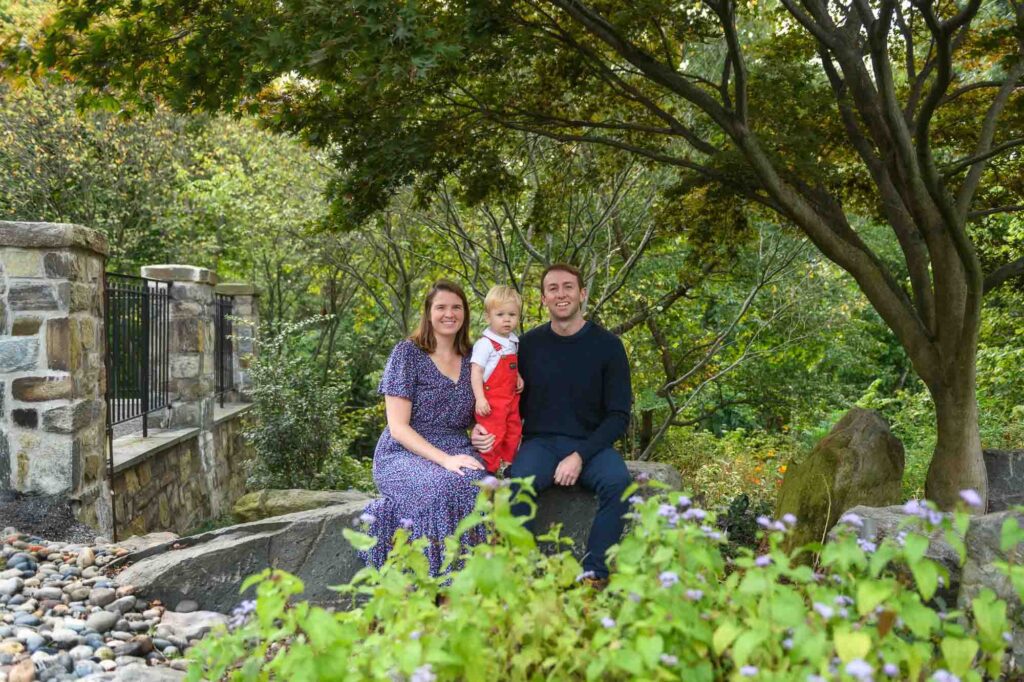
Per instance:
x=63, y=618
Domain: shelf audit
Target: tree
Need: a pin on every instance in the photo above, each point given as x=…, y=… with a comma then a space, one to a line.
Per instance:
x=823, y=114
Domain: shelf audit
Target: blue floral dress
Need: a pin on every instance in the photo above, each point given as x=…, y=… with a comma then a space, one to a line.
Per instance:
x=416, y=493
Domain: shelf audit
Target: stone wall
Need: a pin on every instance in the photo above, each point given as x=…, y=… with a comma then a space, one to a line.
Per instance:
x=51, y=363
x=176, y=489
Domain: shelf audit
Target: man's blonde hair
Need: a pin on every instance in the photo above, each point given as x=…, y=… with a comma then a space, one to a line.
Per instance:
x=501, y=294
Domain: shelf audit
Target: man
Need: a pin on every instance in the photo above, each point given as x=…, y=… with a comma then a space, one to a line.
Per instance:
x=575, y=405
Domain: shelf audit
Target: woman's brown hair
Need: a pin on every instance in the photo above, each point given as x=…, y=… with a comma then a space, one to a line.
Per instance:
x=424, y=336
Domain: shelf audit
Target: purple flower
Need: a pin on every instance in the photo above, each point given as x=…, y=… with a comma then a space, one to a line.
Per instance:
x=763, y=560
x=669, y=660
x=748, y=670
x=824, y=610
x=866, y=545
x=634, y=597
x=367, y=518
x=815, y=678
x=694, y=595
x=636, y=500
x=944, y=676
x=764, y=521
x=684, y=502
x=859, y=669
x=789, y=519
x=608, y=623
x=843, y=600
x=971, y=497
x=713, y=535
x=779, y=526
x=891, y=669
x=694, y=514
x=405, y=523
x=914, y=508
x=1008, y=638
x=643, y=477
x=852, y=519
x=424, y=673
x=668, y=579
x=415, y=634
x=585, y=575
x=490, y=482
x=935, y=517
x=787, y=644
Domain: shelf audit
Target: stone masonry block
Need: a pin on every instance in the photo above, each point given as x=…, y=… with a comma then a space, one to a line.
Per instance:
x=28, y=295
x=238, y=289
x=18, y=354
x=25, y=418
x=61, y=352
x=180, y=273
x=187, y=335
x=184, y=365
x=45, y=463
x=71, y=418
x=26, y=326
x=52, y=236
x=85, y=298
x=37, y=389
x=23, y=263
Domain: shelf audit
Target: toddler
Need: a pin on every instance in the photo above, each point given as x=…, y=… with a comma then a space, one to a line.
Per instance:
x=495, y=377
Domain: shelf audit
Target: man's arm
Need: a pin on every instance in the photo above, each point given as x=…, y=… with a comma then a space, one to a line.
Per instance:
x=617, y=399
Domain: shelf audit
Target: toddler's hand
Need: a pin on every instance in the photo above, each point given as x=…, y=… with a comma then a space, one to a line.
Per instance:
x=483, y=408
x=520, y=384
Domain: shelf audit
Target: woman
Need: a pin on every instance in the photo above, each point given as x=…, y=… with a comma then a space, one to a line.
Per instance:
x=424, y=465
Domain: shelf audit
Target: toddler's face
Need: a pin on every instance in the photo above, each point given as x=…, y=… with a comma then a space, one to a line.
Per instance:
x=503, y=318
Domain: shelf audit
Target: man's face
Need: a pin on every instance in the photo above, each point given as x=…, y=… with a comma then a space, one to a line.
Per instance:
x=562, y=296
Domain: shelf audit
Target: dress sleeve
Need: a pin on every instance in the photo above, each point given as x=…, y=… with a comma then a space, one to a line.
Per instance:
x=399, y=378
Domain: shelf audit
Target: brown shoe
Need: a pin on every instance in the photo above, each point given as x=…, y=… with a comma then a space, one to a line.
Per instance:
x=596, y=584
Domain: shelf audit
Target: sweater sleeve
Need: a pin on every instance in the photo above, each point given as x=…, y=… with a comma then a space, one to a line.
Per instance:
x=617, y=403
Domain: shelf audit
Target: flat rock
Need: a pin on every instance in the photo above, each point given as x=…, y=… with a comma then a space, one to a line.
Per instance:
x=1005, y=479
x=192, y=625
x=262, y=504
x=138, y=673
x=137, y=543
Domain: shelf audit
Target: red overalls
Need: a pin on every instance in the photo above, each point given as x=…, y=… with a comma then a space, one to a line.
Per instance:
x=503, y=421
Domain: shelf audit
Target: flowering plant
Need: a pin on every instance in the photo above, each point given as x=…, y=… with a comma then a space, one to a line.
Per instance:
x=676, y=608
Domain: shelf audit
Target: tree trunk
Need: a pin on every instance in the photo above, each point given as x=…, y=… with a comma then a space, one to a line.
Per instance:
x=957, y=463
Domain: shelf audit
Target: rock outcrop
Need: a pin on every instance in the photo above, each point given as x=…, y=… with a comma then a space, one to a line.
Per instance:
x=263, y=504
x=1005, y=479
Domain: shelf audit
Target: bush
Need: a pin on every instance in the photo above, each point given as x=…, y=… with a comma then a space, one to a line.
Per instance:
x=299, y=426
x=675, y=608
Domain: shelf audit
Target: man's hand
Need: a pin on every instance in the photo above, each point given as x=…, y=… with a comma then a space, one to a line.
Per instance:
x=482, y=440
x=568, y=471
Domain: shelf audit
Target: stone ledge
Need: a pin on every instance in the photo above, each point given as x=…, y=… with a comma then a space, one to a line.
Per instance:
x=170, y=272
x=229, y=411
x=52, y=236
x=237, y=289
x=133, y=449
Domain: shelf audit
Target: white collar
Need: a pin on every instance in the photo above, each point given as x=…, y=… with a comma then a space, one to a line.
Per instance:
x=505, y=342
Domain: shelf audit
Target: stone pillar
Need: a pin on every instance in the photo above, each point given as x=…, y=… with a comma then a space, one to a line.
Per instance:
x=245, y=323
x=191, y=352
x=52, y=371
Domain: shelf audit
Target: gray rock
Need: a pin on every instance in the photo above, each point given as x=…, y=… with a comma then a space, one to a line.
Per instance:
x=980, y=571
x=859, y=462
x=101, y=621
x=193, y=625
x=262, y=504
x=1005, y=479
x=81, y=652
x=101, y=596
x=186, y=606
x=10, y=586
x=18, y=354
x=122, y=605
x=138, y=672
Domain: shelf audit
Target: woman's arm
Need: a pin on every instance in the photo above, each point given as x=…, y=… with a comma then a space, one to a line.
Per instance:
x=399, y=412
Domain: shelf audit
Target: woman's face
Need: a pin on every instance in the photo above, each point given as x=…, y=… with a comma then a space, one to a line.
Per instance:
x=446, y=314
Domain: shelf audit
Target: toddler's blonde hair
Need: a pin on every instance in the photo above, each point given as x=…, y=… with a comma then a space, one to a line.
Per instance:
x=499, y=294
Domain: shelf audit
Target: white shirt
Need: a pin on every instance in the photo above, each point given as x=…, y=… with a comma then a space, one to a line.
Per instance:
x=485, y=355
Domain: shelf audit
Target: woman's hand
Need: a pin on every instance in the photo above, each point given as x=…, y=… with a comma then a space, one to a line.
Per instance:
x=483, y=408
x=456, y=463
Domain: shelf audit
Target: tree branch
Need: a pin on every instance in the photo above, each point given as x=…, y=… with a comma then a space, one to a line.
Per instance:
x=995, y=278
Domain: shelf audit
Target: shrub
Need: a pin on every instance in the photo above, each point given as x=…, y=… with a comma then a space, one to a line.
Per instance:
x=299, y=426
x=675, y=608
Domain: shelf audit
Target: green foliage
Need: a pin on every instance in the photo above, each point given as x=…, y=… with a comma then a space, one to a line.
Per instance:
x=299, y=427
x=675, y=609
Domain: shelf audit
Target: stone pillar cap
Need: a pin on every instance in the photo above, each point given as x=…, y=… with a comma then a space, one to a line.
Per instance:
x=179, y=273
x=52, y=236
x=237, y=289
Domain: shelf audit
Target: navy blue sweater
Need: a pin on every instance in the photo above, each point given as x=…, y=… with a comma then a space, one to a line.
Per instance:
x=576, y=386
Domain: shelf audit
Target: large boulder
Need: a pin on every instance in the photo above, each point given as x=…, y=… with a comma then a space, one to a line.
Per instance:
x=859, y=462
x=262, y=504
x=1005, y=479
x=210, y=568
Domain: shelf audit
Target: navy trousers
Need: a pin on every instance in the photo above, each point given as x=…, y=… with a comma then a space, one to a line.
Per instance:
x=605, y=474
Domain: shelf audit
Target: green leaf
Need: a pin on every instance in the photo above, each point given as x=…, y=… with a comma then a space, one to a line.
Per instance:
x=926, y=575
x=914, y=547
x=746, y=644
x=871, y=593
x=851, y=645
x=651, y=648
x=1010, y=535
x=959, y=654
x=724, y=636
x=361, y=541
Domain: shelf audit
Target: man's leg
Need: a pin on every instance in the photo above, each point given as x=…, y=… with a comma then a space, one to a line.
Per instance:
x=606, y=475
x=535, y=458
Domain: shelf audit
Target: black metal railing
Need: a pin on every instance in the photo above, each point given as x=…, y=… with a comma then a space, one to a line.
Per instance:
x=223, y=363
x=137, y=323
